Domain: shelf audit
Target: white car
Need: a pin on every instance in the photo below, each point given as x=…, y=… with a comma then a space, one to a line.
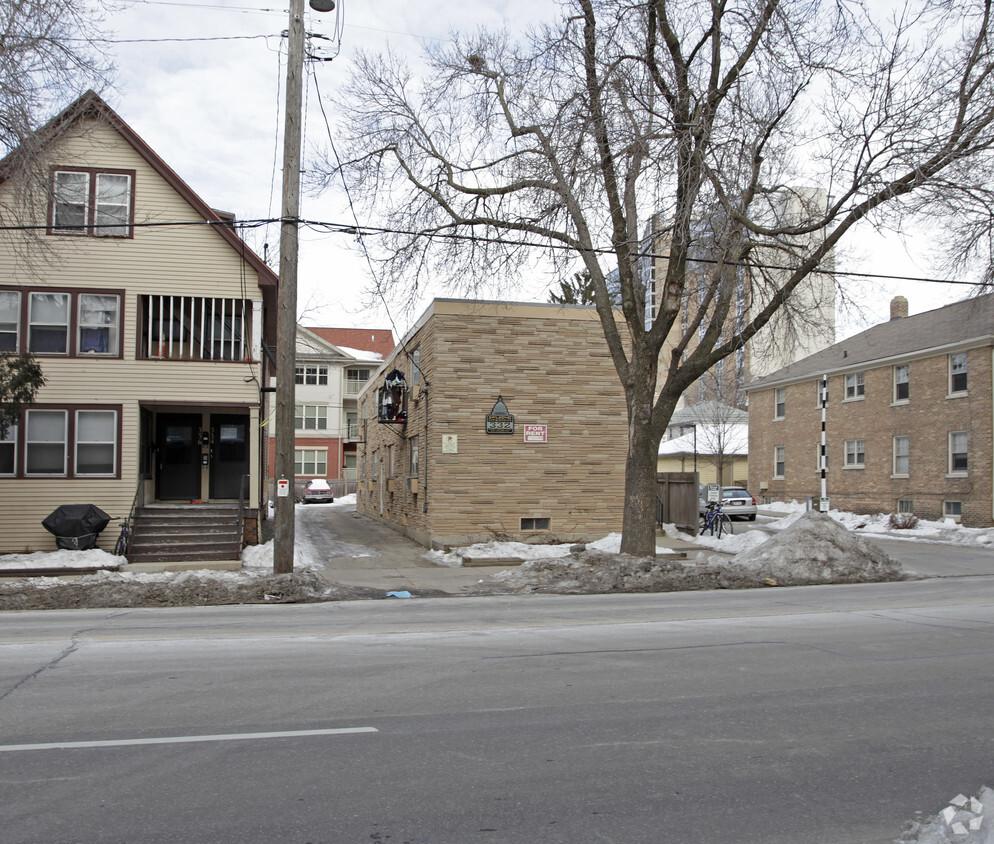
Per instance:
x=318, y=491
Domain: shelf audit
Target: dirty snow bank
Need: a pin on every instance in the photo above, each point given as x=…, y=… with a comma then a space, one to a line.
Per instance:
x=966, y=820
x=816, y=549
x=166, y=589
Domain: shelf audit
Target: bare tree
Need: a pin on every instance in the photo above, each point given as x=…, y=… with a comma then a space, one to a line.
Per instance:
x=703, y=113
x=47, y=60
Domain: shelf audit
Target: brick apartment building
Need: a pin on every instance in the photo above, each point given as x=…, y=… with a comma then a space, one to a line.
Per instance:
x=908, y=419
x=495, y=419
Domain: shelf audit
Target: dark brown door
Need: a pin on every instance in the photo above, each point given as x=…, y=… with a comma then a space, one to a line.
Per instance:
x=177, y=456
x=229, y=454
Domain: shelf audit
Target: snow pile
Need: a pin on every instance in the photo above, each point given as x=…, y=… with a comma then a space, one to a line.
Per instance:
x=91, y=559
x=610, y=544
x=946, y=530
x=817, y=549
x=966, y=820
x=166, y=589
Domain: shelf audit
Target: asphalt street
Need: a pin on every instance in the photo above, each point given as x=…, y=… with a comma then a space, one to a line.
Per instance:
x=820, y=714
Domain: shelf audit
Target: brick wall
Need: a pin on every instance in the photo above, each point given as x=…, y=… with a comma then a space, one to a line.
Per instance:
x=926, y=418
x=552, y=368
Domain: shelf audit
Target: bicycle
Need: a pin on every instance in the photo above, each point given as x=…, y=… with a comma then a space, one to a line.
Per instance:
x=123, y=540
x=714, y=521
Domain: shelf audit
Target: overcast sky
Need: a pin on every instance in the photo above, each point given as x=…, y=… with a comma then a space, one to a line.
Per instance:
x=208, y=99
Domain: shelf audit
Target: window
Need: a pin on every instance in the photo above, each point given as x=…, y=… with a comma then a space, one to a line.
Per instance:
x=958, y=453
x=310, y=417
x=534, y=524
x=10, y=320
x=779, y=402
x=48, y=323
x=310, y=461
x=412, y=457
x=957, y=373
x=351, y=425
x=901, y=391
x=416, y=367
x=779, y=460
x=8, y=452
x=952, y=510
x=61, y=322
x=390, y=472
x=311, y=374
x=96, y=442
x=45, y=442
x=98, y=324
x=855, y=454
x=87, y=202
x=901, y=454
x=354, y=381
x=196, y=328
x=905, y=505
x=855, y=385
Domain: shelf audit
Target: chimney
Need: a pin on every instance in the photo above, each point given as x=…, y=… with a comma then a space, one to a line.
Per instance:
x=898, y=307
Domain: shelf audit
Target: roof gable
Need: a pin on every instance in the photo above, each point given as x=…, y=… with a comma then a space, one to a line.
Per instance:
x=91, y=105
x=377, y=340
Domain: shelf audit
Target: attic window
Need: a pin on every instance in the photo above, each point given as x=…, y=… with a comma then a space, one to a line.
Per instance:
x=87, y=202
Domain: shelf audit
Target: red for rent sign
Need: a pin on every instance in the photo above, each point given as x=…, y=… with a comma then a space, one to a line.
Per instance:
x=536, y=433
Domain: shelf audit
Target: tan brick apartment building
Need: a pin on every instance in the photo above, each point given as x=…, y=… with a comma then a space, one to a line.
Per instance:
x=510, y=421
x=908, y=420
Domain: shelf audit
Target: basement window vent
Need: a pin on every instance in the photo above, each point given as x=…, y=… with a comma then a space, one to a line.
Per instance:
x=534, y=524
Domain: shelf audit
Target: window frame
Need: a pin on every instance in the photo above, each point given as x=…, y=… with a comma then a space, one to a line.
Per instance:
x=415, y=359
x=779, y=403
x=413, y=456
x=299, y=460
x=12, y=440
x=955, y=390
x=906, y=383
x=113, y=329
x=896, y=471
x=855, y=386
x=353, y=386
x=958, y=505
x=90, y=227
x=70, y=442
x=779, y=462
x=951, y=468
x=320, y=414
x=16, y=347
x=858, y=449
x=300, y=374
x=23, y=339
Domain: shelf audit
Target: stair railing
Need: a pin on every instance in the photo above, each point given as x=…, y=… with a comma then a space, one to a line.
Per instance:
x=242, y=495
x=136, y=504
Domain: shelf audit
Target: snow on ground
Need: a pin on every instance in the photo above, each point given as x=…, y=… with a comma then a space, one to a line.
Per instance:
x=746, y=558
x=966, y=820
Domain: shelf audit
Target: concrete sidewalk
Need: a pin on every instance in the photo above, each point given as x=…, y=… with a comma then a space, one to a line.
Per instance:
x=359, y=551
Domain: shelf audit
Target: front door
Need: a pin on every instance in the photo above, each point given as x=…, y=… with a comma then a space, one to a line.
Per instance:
x=178, y=456
x=229, y=454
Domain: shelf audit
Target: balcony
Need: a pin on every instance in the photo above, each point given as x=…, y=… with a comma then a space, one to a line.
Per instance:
x=195, y=328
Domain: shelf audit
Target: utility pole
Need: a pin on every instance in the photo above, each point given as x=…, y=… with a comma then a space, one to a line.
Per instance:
x=286, y=315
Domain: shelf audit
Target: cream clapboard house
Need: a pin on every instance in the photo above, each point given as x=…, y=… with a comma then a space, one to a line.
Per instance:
x=150, y=339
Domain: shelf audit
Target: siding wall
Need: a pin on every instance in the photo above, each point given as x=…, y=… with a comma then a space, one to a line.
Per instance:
x=552, y=368
x=177, y=261
x=927, y=419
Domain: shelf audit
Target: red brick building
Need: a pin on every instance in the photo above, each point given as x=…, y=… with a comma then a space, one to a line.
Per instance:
x=908, y=421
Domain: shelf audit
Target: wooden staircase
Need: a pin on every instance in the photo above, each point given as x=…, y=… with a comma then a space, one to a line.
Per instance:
x=185, y=533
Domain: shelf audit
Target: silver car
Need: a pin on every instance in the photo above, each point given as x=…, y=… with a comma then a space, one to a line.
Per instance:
x=736, y=502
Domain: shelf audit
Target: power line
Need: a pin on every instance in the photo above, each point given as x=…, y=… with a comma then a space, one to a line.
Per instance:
x=359, y=231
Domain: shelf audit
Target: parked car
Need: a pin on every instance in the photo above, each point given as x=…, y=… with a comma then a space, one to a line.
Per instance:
x=736, y=501
x=318, y=490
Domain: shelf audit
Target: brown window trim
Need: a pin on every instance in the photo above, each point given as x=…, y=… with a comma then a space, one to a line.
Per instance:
x=73, y=293
x=70, y=409
x=93, y=172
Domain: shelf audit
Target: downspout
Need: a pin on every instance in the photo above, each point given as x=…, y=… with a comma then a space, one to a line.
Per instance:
x=424, y=498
